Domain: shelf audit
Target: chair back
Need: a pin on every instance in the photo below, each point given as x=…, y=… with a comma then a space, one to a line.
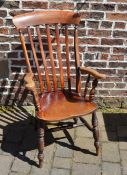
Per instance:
x=53, y=67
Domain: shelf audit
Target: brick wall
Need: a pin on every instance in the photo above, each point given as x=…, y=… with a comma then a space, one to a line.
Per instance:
x=102, y=40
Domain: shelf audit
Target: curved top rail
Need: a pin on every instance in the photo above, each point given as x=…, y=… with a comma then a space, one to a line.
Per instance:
x=46, y=17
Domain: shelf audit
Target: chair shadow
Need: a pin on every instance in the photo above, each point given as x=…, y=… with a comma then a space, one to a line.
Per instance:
x=20, y=136
x=116, y=123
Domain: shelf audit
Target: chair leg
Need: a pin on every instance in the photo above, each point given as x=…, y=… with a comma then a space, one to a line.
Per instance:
x=95, y=132
x=41, y=125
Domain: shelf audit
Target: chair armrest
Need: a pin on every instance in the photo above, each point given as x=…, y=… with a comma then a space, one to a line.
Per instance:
x=30, y=85
x=92, y=72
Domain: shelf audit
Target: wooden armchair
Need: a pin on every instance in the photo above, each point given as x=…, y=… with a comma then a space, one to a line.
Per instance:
x=54, y=103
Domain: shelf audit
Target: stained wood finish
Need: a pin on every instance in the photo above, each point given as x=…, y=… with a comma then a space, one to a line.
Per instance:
x=63, y=105
x=92, y=72
x=77, y=61
x=59, y=56
x=67, y=57
x=95, y=131
x=30, y=85
x=36, y=60
x=86, y=86
x=25, y=51
x=92, y=92
x=56, y=105
x=51, y=57
x=43, y=58
x=46, y=17
x=41, y=127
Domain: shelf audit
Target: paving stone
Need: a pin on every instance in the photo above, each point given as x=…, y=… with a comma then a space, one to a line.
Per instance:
x=5, y=164
x=85, y=169
x=111, y=168
x=24, y=162
x=83, y=132
x=62, y=151
x=86, y=158
x=123, y=144
x=45, y=170
x=64, y=134
x=17, y=173
x=56, y=171
x=110, y=152
x=85, y=151
x=87, y=118
x=100, y=119
x=107, y=136
x=62, y=163
x=123, y=155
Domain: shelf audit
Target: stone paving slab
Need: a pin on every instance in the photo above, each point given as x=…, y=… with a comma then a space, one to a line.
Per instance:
x=67, y=152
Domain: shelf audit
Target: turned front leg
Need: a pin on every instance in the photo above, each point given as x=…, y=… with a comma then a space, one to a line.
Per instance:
x=95, y=132
x=41, y=125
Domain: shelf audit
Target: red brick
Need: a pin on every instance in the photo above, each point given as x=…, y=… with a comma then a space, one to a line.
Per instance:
x=122, y=7
x=89, y=41
x=4, y=47
x=4, y=30
x=120, y=85
x=120, y=34
x=109, y=85
x=99, y=33
x=116, y=16
x=1, y=22
x=9, y=22
x=104, y=56
x=82, y=6
x=9, y=39
x=106, y=24
x=108, y=71
x=13, y=55
x=3, y=13
x=117, y=1
x=111, y=42
x=117, y=57
x=35, y=5
x=97, y=15
x=95, y=64
x=118, y=64
x=120, y=25
x=103, y=7
x=120, y=50
x=99, y=49
x=103, y=92
x=118, y=93
x=113, y=79
x=85, y=15
x=11, y=4
x=93, y=24
x=61, y=5
x=122, y=72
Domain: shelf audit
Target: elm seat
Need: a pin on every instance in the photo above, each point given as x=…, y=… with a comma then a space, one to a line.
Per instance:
x=50, y=57
x=58, y=106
